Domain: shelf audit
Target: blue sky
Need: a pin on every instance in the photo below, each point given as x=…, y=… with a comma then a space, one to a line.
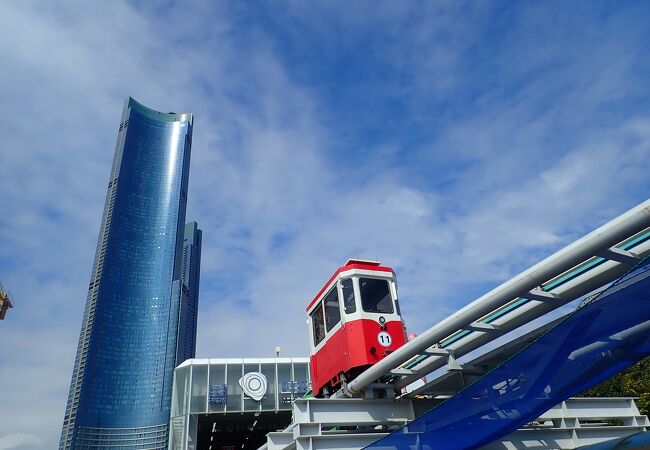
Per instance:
x=457, y=142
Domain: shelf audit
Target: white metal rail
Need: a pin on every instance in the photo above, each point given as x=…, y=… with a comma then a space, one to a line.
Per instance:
x=589, y=263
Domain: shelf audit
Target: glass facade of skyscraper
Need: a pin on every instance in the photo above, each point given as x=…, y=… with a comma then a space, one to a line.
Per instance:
x=189, y=292
x=121, y=384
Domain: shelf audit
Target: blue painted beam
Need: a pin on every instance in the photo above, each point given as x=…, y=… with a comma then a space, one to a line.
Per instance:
x=593, y=343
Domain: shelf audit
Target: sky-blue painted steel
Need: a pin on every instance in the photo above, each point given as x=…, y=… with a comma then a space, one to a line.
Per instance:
x=547, y=287
x=596, y=341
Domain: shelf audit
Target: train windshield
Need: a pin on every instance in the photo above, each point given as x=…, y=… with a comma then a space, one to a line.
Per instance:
x=375, y=295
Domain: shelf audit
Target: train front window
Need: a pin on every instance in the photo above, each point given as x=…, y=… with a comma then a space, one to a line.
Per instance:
x=332, y=312
x=318, y=324
x=375, y=295
x=348, y=296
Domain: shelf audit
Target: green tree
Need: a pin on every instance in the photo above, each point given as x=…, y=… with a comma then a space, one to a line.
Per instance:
x=632, y=382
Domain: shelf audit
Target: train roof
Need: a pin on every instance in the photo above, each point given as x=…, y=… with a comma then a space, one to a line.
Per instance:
x=351, y=264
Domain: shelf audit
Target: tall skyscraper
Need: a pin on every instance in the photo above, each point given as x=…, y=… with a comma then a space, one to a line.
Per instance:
x=189, y=292
x=122, y=377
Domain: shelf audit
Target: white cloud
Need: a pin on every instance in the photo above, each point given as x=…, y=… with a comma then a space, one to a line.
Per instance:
x=18, y=440
x=277, y=184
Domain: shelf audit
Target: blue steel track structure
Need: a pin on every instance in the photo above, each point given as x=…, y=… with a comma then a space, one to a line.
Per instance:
x=600, y=338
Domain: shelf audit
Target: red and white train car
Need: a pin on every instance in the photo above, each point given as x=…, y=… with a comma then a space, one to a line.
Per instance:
x=354, y=321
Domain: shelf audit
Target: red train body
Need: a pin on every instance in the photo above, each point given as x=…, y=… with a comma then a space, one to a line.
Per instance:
x=354, y=321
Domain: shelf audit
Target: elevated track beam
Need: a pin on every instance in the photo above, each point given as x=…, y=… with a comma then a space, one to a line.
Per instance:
x=602, y=241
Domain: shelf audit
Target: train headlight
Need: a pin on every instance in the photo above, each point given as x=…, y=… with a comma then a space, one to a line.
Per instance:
x=382, y=320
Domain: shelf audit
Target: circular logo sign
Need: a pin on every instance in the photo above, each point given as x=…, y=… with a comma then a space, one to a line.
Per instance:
x=384, y=339
x=254, y=385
